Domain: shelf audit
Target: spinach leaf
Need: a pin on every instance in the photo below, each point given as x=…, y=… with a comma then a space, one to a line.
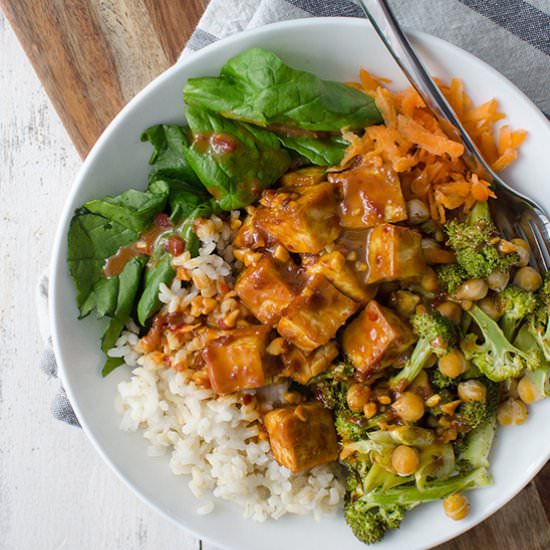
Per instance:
x=106, y=295
x=149, y=303
x=168, y=159
x=91, y=240
x=184, y=197
x=234, y=161
x=128, y=284
x=111, y=364
x=322, y=152
x=192, y=242
x=257, y=87
x=132, y=209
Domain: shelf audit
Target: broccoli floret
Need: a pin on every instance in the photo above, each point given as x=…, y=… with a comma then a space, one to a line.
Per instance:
x=441, y=382
x=516, y=304
x=474, y=447
x=351, y=426
x=369, y=524
x=495, y=357
x=331, y=386
x=473, y=414
x=371, y=515
x=436, y=335
x=451, y=276
x=538, y=322
x=474, y=242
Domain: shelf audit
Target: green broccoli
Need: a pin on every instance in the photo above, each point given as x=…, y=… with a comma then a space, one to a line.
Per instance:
x=451, y=276
x=353, y=426
x=441, y=382
x=539, y=321
x=474, y=447
x=474, y=242
x=372, y=514
x=495, y=357
x=331, y=386
x=436, y=335
x=516, y=304
x=369, y=524
x=473, y=414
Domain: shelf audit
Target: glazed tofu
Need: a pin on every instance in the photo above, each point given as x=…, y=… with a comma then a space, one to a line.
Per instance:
x=302, y=219
x=313, y=318
x=305, y=176
x=237, y=360
x=394, y=253
x=337, y=270
x=268, y=287
x=370, y=195
x=375, y=338
x=302, y=437
x=249, y=235
x=302, y=367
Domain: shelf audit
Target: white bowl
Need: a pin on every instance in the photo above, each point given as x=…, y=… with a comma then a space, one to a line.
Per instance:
x=332, y=48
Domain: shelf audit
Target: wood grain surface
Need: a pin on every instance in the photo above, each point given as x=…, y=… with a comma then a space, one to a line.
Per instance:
x=92, y=57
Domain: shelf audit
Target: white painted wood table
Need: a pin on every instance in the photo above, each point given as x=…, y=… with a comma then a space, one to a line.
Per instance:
x=55, y=491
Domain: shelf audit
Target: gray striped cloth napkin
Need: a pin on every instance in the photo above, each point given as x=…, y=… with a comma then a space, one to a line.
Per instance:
x=511, y=35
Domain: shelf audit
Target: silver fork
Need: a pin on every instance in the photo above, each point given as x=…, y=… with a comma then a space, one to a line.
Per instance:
x=514, y=214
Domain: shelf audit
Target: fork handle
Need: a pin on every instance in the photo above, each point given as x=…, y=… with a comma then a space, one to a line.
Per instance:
x=388, y=29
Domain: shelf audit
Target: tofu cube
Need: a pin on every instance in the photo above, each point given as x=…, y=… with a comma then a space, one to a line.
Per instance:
x=249, y=235
x=338, y=271
x=375, y=338
x=303, y=219
x=313, y=318
x=302, y=367
x=310, y=175
x=238, y=360
x=302, y=437
x=394, y=253
x=370, y=196
x=268, y=287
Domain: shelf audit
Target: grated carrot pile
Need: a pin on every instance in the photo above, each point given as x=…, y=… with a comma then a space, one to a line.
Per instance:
x=428, y=162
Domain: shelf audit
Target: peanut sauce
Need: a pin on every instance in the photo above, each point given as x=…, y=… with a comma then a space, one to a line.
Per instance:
x=148, y=240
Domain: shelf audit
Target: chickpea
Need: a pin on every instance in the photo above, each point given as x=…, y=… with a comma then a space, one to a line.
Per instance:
x=490, y=307
x=370, y=409
x=452, y=311
x=528, y=392
x=522, y=250
x=512, y=411
x=417, y=211
x=472, y=390
x=498, y=280
x=473, y=290
x=409, y=406
x=528, y=278
x=357, y=397
x=405, y=460
x=453, y=364
x=456, y=506
x=429, y=280
x=405, y=302
x=421, y=382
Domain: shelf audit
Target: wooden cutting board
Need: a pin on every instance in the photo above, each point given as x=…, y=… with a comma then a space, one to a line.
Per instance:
x=93, y=56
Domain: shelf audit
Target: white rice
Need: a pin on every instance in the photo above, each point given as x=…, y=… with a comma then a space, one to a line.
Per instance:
x=213, y=439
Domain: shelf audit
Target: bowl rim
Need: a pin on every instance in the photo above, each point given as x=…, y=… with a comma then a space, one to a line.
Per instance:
x=180, y=65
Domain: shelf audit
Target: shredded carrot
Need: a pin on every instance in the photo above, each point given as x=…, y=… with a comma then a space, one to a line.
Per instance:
x=429, y=164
